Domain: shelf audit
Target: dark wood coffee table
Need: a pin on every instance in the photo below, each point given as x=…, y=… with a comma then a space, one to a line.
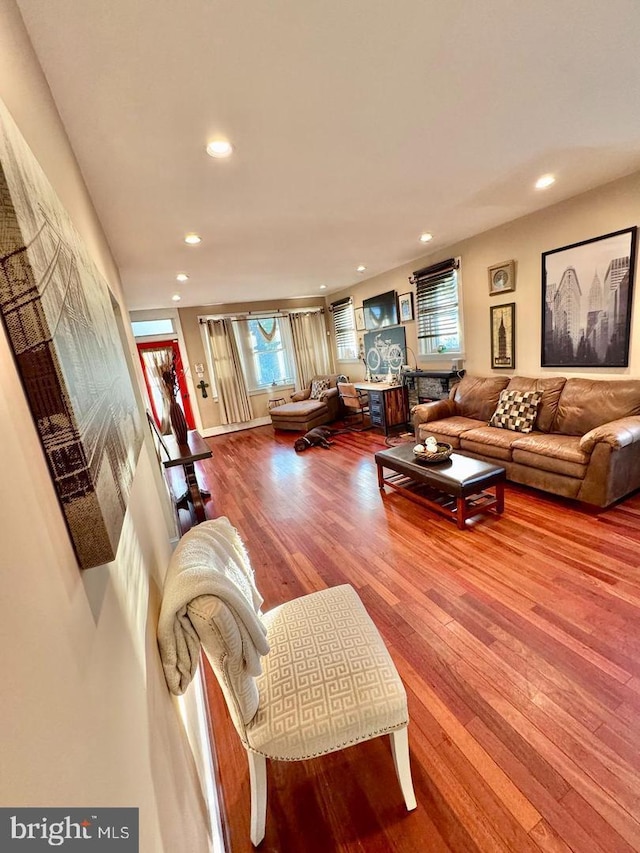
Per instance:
x=456, y=487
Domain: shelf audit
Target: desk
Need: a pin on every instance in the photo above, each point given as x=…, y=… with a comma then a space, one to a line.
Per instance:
x=186, y=455
x=387, y=404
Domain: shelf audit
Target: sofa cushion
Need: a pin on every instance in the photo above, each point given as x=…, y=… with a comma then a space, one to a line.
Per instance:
x=587, y=403
x=448, y=429
x=318, y=385
x=551, y=388
x=551, y=464
x=477, y=396
x=489, y=441
x=558, y=453
x=516, y=410
x=298, y=411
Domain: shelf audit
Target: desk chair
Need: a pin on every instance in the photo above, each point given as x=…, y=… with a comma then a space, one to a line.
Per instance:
x=355, y=402
x=309, y=677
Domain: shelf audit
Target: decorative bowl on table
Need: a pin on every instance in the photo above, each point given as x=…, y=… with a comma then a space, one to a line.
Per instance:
x=440, y=454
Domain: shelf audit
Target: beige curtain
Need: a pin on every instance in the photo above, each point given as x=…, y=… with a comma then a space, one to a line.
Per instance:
x=156, y=362
x=233, y=397
x=310, y=349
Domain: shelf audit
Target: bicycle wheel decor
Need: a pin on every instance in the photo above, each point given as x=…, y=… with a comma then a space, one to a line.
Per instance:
x=395, y=357
x=384, y=350
x=373, y=360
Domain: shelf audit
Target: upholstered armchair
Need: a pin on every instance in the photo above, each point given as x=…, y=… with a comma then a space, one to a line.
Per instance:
x=309, y=677
x=318, y=404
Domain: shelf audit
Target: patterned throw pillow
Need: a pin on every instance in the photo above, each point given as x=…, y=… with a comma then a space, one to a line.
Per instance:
x=317, y=387
x=516, y=410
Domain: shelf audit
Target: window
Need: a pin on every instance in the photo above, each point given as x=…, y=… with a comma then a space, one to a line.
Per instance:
x=264, y=346
x=439, y=322
x=344, y=328
x=144, y=328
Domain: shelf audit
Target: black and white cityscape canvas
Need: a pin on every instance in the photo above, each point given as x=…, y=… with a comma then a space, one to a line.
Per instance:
x=60, y=320
x=587, y=291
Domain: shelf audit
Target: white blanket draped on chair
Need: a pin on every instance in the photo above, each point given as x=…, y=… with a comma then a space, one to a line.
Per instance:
x=210, y=561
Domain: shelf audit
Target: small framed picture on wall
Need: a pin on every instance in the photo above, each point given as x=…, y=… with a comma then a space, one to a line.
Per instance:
x=405, y=303
x=502, y=278
x=359, y=315
x=503, y=336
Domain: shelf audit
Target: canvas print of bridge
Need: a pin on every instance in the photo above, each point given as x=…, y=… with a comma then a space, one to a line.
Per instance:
x=587, y=291
x=60, y=319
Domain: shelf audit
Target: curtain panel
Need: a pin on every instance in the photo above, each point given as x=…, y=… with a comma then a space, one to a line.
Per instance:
x=310, y=350
x=233, y=397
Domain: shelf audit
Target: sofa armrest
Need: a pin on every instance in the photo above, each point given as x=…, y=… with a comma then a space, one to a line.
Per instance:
x=616, y=434
x=331, y=397
x=299, y=396
x=434, y=411
x=328, y=393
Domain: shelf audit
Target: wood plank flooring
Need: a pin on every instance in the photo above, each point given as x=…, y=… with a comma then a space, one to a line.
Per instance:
x=518, y=641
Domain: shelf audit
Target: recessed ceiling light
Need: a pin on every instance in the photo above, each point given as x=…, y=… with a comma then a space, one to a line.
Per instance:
x=361, y=268
x=424, y=238
x=219, y=148
x=323, y=287
x=192, y=239
x=176, y=297
x=544, y=182
x=182, y=276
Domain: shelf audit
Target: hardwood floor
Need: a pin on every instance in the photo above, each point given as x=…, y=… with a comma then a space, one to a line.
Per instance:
x=518, y=641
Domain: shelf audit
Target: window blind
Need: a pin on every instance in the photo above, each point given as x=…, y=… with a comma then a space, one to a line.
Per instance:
x=344, y=328
x=437, y=306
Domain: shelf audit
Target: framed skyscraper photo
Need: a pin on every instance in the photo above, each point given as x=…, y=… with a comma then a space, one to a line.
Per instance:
x=503, y=336
x=587, y=291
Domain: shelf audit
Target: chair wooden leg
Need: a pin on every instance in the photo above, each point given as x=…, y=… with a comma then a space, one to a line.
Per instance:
x=400, y=751
x=258, y=780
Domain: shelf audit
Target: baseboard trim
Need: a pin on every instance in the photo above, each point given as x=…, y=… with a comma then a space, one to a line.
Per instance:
x=224, y=428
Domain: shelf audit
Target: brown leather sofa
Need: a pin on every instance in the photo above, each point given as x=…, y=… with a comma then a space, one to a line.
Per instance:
x=305, y=411
x=585, y=442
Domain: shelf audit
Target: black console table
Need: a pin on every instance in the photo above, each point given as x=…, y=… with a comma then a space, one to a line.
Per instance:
x=186, y=455
x=425, y=385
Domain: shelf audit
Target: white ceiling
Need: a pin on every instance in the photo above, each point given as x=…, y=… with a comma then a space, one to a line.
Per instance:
x=357, y=125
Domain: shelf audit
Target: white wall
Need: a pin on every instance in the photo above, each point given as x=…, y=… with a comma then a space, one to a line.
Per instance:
x=609, y=208
x=85, y=715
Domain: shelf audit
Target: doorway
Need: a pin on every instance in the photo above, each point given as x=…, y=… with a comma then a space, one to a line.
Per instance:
x=154, y=358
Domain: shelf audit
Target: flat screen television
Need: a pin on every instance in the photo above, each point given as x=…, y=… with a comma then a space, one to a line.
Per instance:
x=381, y=311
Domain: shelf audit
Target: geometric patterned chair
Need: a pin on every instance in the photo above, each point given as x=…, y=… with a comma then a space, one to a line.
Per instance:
x=327, y=680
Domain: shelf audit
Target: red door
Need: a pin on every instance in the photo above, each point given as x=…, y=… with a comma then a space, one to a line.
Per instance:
x=169, y=348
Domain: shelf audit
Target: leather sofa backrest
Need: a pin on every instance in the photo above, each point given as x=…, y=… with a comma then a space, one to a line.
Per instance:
x=588, y=403
x=551, y=388
x=477, y=396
